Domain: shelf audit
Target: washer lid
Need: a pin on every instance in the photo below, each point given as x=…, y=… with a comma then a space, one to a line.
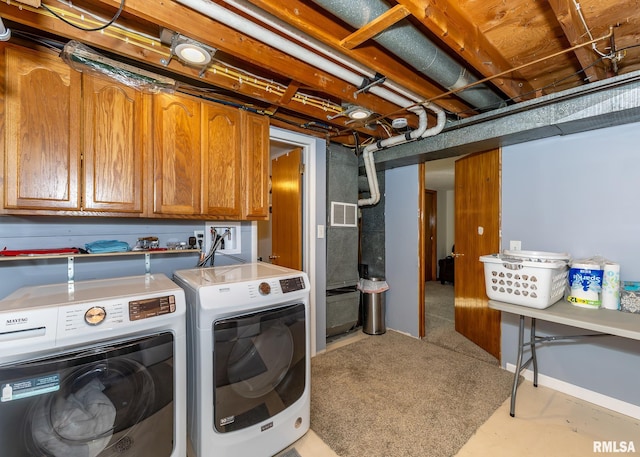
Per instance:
x=89, y=291
x=202, y=277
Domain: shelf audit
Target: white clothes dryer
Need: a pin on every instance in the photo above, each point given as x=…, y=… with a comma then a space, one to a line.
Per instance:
x=248, y=359
x=94, y=369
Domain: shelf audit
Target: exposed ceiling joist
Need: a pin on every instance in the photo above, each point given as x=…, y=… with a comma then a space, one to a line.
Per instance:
x=574, y=29
x=374, y=27
x=451, y=25
x=307, y=63
x=303, y=17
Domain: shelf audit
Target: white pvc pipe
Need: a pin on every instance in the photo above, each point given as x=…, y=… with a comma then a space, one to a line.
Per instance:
x=5, y=33
x=277, y=24
x=252, y=29
x=420, y=132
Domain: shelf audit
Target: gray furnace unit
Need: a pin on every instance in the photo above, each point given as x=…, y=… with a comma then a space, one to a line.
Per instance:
x=343, y=300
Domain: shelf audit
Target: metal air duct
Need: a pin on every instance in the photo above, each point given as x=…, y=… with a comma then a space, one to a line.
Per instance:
x=408, y=43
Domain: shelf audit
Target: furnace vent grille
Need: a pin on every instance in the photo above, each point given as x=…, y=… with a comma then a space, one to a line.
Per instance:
x=344, y=214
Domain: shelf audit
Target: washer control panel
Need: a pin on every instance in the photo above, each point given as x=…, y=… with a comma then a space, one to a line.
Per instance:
x=151, y=307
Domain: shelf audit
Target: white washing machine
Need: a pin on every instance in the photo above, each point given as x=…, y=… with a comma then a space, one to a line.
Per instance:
x=94, y=369
x=248, y=358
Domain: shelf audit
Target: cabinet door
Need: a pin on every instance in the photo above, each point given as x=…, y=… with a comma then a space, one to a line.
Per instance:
x=113, y=144
x=42, y=128
x=256, y=167
x=222, y=181
x=177, y=156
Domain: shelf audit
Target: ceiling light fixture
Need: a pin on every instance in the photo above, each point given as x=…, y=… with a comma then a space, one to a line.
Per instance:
x=354, y=112
x=193, y=54
x=359, y=113
x=187, y=50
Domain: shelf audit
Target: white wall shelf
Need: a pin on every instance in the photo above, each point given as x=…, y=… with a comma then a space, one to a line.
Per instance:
x=71, y=258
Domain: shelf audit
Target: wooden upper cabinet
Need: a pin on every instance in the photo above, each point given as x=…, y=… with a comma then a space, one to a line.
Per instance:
x=114, y=130
x=255, y=167
x=210, y=160
x=42, y=131
x=222, y=183
x=177, y=155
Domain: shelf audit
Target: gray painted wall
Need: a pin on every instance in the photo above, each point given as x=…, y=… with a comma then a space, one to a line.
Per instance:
x=401, y=248
x=55, y=232
x=578, y=194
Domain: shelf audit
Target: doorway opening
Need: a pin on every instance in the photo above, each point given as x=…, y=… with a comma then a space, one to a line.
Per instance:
x=439, y=227
x=282, y=141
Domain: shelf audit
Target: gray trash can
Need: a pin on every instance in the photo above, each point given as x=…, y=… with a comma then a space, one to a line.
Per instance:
x=373, y=310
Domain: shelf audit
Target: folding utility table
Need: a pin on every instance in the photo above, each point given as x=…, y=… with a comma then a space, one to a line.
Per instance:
x=604, y=321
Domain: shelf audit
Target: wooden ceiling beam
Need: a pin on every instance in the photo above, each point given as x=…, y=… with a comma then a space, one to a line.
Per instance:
x=300, y=15
x=378, y=25
x=292, y=89
x=574, y=29
x=450, y=24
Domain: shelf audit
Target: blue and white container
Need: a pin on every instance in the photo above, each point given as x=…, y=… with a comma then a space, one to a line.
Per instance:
x=585, y=283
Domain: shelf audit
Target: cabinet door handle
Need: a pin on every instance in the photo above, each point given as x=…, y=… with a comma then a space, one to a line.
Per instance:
x=273, y=257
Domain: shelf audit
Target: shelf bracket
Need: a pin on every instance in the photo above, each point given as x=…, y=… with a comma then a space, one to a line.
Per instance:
x=70, y=269
x=147, y=263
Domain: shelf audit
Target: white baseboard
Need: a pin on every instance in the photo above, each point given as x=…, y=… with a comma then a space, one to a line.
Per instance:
x=628, y=409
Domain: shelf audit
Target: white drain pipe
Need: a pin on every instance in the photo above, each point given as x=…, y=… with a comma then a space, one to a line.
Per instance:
x=277, y=24
x=5, y=33
x=246, y=26
x=420, y=132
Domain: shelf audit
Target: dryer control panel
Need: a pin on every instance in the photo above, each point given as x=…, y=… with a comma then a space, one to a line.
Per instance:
x=292, y=284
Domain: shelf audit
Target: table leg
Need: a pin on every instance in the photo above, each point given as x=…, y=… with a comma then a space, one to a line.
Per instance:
x=533, y=352
x=514, y=389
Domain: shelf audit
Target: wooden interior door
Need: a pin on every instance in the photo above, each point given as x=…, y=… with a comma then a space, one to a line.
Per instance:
x=477, y=232
x=286, y=210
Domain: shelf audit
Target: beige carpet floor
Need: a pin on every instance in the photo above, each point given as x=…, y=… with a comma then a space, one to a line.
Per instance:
x=440, y=322
x=393, y=395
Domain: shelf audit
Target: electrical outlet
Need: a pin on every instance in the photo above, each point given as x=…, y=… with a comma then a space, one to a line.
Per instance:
x=199, y=234
x=515, y=245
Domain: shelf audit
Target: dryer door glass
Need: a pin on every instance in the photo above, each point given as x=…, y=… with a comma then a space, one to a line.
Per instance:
x=102, y=401
x=259, y=364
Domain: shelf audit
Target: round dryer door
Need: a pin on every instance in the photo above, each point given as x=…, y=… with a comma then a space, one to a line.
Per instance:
x=259, y=365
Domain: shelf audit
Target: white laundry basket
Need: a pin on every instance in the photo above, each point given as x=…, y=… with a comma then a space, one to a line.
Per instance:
x=528, y=278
